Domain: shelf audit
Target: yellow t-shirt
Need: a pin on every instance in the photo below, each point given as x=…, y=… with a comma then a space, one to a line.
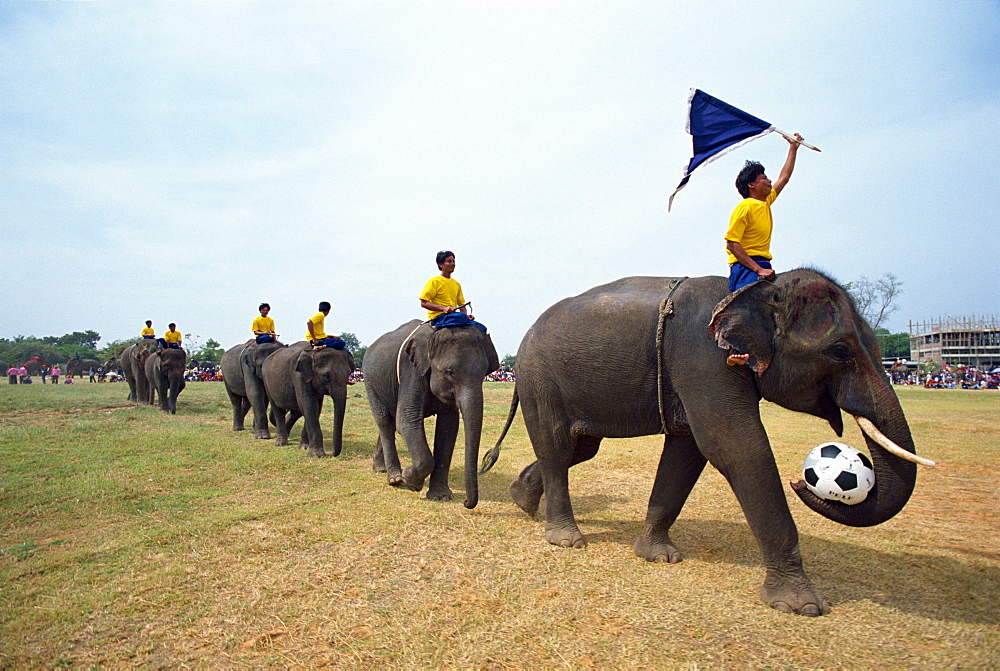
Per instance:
x=445, y=291
x=148, y=331
x=262, y=323
x=750, y=225
x=317, y=321
x=172, y=336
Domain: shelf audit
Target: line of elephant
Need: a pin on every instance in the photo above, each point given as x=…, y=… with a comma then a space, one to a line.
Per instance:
x=411, y=373
x=152, y=372
x=639, y=356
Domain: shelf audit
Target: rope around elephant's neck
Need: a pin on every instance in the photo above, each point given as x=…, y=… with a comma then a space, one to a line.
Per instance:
x=666, y=308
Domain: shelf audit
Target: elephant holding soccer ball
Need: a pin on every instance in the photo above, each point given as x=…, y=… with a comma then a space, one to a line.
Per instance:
x=647, y=355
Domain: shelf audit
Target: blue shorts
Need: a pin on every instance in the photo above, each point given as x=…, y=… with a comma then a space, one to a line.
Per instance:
x=456, y=319
x=741, y=276
x=264, y=338
x=332, y=341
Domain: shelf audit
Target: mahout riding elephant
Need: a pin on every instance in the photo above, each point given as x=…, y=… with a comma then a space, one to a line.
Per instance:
x=165, y=376
x=590, y=368
x=415, y=372
x=296, y=379
x=241, y=369
x=133, y=363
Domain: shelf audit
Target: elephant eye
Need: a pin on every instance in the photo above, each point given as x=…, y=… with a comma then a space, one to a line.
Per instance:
x=840, y=351
x=449, y=372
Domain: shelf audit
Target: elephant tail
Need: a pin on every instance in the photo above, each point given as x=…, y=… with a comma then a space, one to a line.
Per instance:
x=492, y=455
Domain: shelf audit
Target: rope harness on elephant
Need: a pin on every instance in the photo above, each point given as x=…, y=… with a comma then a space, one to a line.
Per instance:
x=666, y=308
x=399, y=354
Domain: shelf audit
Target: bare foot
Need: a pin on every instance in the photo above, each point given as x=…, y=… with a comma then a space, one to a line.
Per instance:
x=737, y=359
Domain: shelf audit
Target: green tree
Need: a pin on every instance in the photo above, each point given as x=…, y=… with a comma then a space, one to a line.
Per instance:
x=114, y=349
x=359, y=355
x=351, y=342
x=508, y=361
x=211, y=352
x=893, y=345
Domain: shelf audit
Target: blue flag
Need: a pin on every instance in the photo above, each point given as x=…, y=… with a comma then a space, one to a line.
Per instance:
x=716, y=128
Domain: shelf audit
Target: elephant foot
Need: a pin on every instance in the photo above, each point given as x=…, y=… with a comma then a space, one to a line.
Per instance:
x=280, y=442
x=439, y=494
x=655, y=550
x=566, y=537
x=238, y=428
x=793, y=593
x=262, y=435
x=394, y=477
x=317, y=452
x=525, y=496
x=412, y=480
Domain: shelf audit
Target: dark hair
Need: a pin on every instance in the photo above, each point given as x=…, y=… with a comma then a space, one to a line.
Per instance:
x=324, y=306
x=751, y=170
x=149, y=322
x=262, y=306
x=171, y=325
x=441, y=256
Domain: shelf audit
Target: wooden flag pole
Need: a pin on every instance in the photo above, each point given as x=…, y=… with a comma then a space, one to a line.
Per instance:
x=792, y=137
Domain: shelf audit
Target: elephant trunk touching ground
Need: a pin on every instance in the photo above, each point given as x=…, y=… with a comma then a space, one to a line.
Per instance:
x=470, y=405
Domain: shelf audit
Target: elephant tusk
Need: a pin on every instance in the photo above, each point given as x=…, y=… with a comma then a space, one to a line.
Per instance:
x=870, y=430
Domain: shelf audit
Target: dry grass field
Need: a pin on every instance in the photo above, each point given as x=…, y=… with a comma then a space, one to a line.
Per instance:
x=133, y=538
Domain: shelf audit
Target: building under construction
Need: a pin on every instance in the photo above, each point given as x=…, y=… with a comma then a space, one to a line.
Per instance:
x=974, y=341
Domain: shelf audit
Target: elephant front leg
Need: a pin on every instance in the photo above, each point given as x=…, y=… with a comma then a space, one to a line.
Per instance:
x=312, y=434
x=445, y=435
x=747, y=463
x=681, y=464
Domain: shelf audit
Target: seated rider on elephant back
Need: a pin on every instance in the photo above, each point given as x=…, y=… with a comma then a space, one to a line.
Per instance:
x=315, y=333
x=171, y=337
x=443, y=299
x=148, y=333
x=263, y=326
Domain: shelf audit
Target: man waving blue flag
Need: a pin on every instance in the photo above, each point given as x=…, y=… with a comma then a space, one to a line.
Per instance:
x=716, y=127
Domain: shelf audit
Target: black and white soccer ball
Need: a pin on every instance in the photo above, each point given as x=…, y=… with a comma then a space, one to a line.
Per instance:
x=838, y=472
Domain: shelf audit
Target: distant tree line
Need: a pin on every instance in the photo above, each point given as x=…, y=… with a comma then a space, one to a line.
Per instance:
x=84, y=344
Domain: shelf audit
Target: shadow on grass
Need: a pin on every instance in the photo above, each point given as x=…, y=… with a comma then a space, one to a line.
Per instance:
x=930, y=586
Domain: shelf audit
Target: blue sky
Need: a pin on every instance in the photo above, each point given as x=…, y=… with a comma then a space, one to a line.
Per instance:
x=185, y=161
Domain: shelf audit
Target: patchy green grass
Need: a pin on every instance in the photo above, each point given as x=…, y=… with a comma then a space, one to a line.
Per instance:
x=130, y=537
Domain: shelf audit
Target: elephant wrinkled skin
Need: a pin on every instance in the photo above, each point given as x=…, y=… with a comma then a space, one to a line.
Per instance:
x=440, y=372
x=164, y=371
x=133, y=363
x=588, y=369
x=297, y=378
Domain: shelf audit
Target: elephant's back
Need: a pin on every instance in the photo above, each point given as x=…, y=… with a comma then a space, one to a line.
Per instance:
x=383, y=351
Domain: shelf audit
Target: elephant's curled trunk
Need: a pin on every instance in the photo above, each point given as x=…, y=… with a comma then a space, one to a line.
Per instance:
x=895, y=476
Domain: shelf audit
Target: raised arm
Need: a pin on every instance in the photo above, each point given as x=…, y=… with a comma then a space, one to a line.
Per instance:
x=786, y=170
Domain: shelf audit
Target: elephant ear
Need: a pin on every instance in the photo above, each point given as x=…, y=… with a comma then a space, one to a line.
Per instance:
x=304, y=365
x=744, y=321
x=416, y=349
x=492, y=360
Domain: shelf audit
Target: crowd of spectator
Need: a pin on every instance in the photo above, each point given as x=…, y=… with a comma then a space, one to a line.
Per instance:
x=947, y=377
x=503, y=374
x=204, y=373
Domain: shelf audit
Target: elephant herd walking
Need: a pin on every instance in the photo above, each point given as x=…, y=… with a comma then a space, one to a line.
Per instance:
x=151, y=371
x=636, y=357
